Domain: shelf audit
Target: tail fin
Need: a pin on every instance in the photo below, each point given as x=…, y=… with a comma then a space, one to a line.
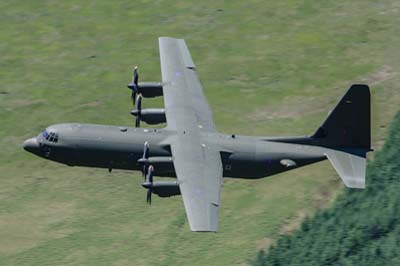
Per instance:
x=349, y=124
x=347, y=135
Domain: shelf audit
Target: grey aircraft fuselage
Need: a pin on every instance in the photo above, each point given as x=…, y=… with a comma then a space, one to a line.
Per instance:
x=114, y=147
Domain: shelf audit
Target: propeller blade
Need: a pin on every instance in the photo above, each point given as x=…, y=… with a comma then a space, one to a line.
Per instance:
x=133, y=97
x=150, y=171
x=145, y=156
x=144, y=170
x=139, y=102
x=149, y=180
x=137, y=121
x=134, y=85
x=135, y=75
x=145, y=150
x=148, y=197
x=139, y=110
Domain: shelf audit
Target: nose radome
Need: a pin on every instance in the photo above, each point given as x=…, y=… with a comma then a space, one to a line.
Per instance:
x=31, y=145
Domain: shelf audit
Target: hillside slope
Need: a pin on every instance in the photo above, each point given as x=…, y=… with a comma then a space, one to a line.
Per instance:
x=361, y=228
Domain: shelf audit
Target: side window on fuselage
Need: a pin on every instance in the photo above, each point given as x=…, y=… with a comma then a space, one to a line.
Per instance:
x=52, y=136
x=45, y=134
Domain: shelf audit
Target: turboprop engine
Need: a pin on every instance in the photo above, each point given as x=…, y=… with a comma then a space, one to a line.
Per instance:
x=160, y=188
x=161, y=165
x=151, y=116
x=146, y=89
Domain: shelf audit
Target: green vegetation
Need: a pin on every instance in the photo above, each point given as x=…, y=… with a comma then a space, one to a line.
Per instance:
x=267, y=67
x=361, y=228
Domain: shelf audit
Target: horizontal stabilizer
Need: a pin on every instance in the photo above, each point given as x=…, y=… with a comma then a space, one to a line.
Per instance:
x=350, y=168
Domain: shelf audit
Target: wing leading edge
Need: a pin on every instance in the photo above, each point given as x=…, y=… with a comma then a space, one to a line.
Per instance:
x=197, y=165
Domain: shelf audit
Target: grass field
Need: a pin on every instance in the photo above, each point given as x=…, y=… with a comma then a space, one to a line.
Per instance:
x=267, y=67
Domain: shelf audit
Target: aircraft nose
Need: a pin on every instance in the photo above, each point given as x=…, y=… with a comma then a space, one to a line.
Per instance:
x=31, y=145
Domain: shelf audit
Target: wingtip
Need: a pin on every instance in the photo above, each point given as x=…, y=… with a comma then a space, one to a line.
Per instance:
x=204, y=228
x=166, y=38
x=204, y=231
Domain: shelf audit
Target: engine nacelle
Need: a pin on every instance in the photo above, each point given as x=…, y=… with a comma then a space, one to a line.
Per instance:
x=148, y=89
x=163, y=188
x=163, y=165
x=156, y=161
x=151, y=116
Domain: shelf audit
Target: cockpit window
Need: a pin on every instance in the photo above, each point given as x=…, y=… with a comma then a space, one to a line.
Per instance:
x=50, y=136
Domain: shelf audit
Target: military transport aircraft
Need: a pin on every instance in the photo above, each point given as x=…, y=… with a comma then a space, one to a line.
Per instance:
x=190, y=149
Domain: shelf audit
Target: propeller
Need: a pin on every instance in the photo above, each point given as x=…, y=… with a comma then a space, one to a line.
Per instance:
x=144, y=160
x=135, y=87
x=149, y=184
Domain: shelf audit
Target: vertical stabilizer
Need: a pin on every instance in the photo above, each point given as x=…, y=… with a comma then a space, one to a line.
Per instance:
x=349, y=123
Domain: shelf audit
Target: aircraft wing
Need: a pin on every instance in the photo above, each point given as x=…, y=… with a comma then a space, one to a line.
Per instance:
x=197, y=165
x=185, y=103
